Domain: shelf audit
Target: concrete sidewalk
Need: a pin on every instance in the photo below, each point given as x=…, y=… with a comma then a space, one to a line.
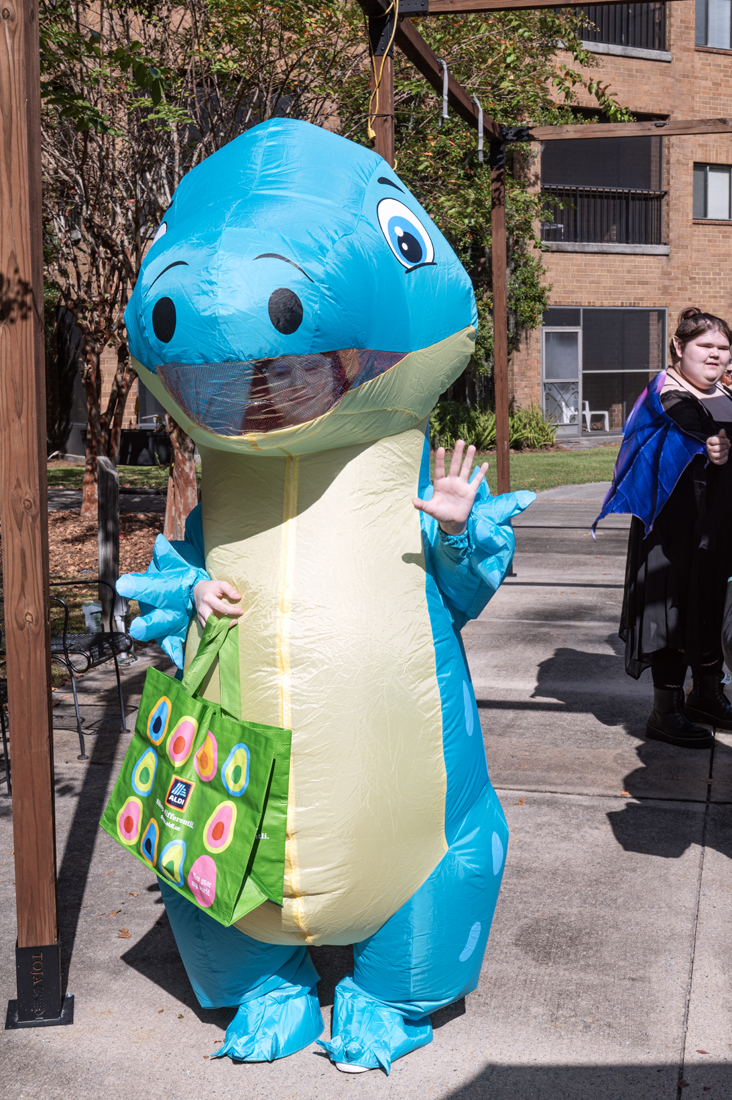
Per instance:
x=607, y=970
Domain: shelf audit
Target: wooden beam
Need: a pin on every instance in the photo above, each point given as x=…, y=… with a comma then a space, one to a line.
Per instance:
x=475, y=7
x=663, y=128
x=24, y=509
x=414, y=47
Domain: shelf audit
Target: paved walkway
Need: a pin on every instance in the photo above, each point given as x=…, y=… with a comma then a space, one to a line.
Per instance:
x=607, y=975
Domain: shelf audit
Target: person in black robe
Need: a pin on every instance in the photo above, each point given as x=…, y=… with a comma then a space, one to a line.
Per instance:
x=676, y=575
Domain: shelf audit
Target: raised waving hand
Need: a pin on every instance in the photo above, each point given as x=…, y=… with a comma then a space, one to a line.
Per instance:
x=453, y=493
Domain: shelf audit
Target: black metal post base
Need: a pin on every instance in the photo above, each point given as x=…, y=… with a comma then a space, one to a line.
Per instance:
x=39, y=1002
x=66, y=1017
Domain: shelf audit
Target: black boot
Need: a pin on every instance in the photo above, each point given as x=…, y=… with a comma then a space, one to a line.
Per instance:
x=707, y=702
x=668, y=722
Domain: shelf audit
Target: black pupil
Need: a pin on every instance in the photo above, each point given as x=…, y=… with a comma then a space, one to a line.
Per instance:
x=157, y=724
x=148, y=845
x=410, y=248
x=163, y=319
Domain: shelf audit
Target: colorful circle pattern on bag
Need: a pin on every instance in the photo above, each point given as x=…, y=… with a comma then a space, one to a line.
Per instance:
x=143, y=773
x=180, y=742
x=171, y=861
x=202, y=881
x=235, y=772
x=219, y=831
x=129, y=820
x=149, y=842
x=157, y=723
x=207, y=758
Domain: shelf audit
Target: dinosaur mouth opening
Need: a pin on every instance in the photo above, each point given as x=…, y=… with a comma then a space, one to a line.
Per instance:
x=262, y=395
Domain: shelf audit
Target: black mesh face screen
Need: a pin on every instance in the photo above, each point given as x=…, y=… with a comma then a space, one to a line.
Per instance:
x=262, y=395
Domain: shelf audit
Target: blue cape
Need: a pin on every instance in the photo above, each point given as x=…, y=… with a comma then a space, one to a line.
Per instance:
x=653, y=456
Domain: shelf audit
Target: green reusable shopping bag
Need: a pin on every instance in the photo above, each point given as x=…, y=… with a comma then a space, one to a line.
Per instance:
x=202, y=796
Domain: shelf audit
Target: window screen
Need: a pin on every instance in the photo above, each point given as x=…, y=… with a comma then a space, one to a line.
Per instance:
x=610, y=162
x=714, y=23
x=622, y=340
x=713, y=191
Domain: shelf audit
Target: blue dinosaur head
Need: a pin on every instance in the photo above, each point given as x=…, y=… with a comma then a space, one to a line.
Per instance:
x=293, y=273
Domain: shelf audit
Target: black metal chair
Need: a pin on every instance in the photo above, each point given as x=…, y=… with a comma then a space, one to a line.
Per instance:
x=91, y=649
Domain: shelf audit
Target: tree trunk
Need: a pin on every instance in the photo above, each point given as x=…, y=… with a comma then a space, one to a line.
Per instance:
x=91, y=377
x=124, y=376
x=104, y=429
x=182, y=486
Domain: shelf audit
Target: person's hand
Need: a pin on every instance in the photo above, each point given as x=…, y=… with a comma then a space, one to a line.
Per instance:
x=718, y=448
x=453, y=494
x=207, y=598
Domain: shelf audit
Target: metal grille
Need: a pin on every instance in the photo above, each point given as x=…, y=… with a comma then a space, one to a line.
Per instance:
x=602, y=214
x=640, y=25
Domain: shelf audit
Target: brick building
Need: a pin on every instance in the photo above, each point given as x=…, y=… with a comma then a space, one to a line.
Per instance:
x=642, y=226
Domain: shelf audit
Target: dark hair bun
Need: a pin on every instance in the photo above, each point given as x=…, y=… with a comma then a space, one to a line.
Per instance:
x=692, y=323
x=689, y=312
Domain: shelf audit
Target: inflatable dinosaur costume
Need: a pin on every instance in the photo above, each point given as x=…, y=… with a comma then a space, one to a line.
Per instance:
x=299, y=315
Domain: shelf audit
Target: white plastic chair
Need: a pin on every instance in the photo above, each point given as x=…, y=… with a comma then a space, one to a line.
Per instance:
x=588, y=413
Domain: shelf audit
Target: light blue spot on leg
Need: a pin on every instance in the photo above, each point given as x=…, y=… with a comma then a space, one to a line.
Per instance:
x=469, y=948
x=497, y=854
x=468, y=701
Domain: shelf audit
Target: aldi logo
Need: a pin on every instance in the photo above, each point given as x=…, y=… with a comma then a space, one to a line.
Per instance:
x=178, y=794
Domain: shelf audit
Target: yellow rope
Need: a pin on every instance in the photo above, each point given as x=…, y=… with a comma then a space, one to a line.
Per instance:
x=374, y=97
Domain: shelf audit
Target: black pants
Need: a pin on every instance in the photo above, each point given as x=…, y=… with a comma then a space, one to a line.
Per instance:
x=668, y=666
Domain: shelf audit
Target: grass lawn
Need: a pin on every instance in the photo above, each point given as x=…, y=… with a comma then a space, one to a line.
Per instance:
x=535, y=470
x=540, y=470
x=62, y=475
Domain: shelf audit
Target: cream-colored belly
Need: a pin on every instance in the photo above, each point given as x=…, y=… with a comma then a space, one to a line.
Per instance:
x=337, y=645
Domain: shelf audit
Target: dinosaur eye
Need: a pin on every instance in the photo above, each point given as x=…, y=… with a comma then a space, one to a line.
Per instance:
x=164, y=319
x=162, y=230
x=406, y=236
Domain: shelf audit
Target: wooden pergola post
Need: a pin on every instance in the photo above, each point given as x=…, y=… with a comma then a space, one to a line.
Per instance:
x=500, y=312
x=23, y=511
x=381, y=28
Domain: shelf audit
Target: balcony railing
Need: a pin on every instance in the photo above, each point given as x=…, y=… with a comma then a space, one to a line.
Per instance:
x=640, y=25
x=612, y=215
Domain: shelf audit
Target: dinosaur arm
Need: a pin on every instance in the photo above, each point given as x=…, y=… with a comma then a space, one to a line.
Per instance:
x=165, y=591
x=469, y=568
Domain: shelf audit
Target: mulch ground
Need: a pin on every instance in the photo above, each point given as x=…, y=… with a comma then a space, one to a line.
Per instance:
x=73, y=543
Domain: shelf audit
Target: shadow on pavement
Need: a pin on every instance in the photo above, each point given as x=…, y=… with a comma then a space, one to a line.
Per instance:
x=156, y=958
x=620, y=1082
x=647, y=826
x=91, y=800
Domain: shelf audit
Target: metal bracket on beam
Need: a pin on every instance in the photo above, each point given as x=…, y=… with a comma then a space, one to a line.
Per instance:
x=515, y=133
x=414, y=7
x=381, y=28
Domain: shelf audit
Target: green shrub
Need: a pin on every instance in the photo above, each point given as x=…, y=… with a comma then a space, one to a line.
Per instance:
x=529, y=430
x=452, y=420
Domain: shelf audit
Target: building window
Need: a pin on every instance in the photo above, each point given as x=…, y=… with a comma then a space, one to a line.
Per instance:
x=714, y=23
x=712, y=184
x=642, y=26
x=606, y=190
x=597, y=362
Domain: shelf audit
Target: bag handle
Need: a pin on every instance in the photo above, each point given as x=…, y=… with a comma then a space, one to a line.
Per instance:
x=214, y=636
